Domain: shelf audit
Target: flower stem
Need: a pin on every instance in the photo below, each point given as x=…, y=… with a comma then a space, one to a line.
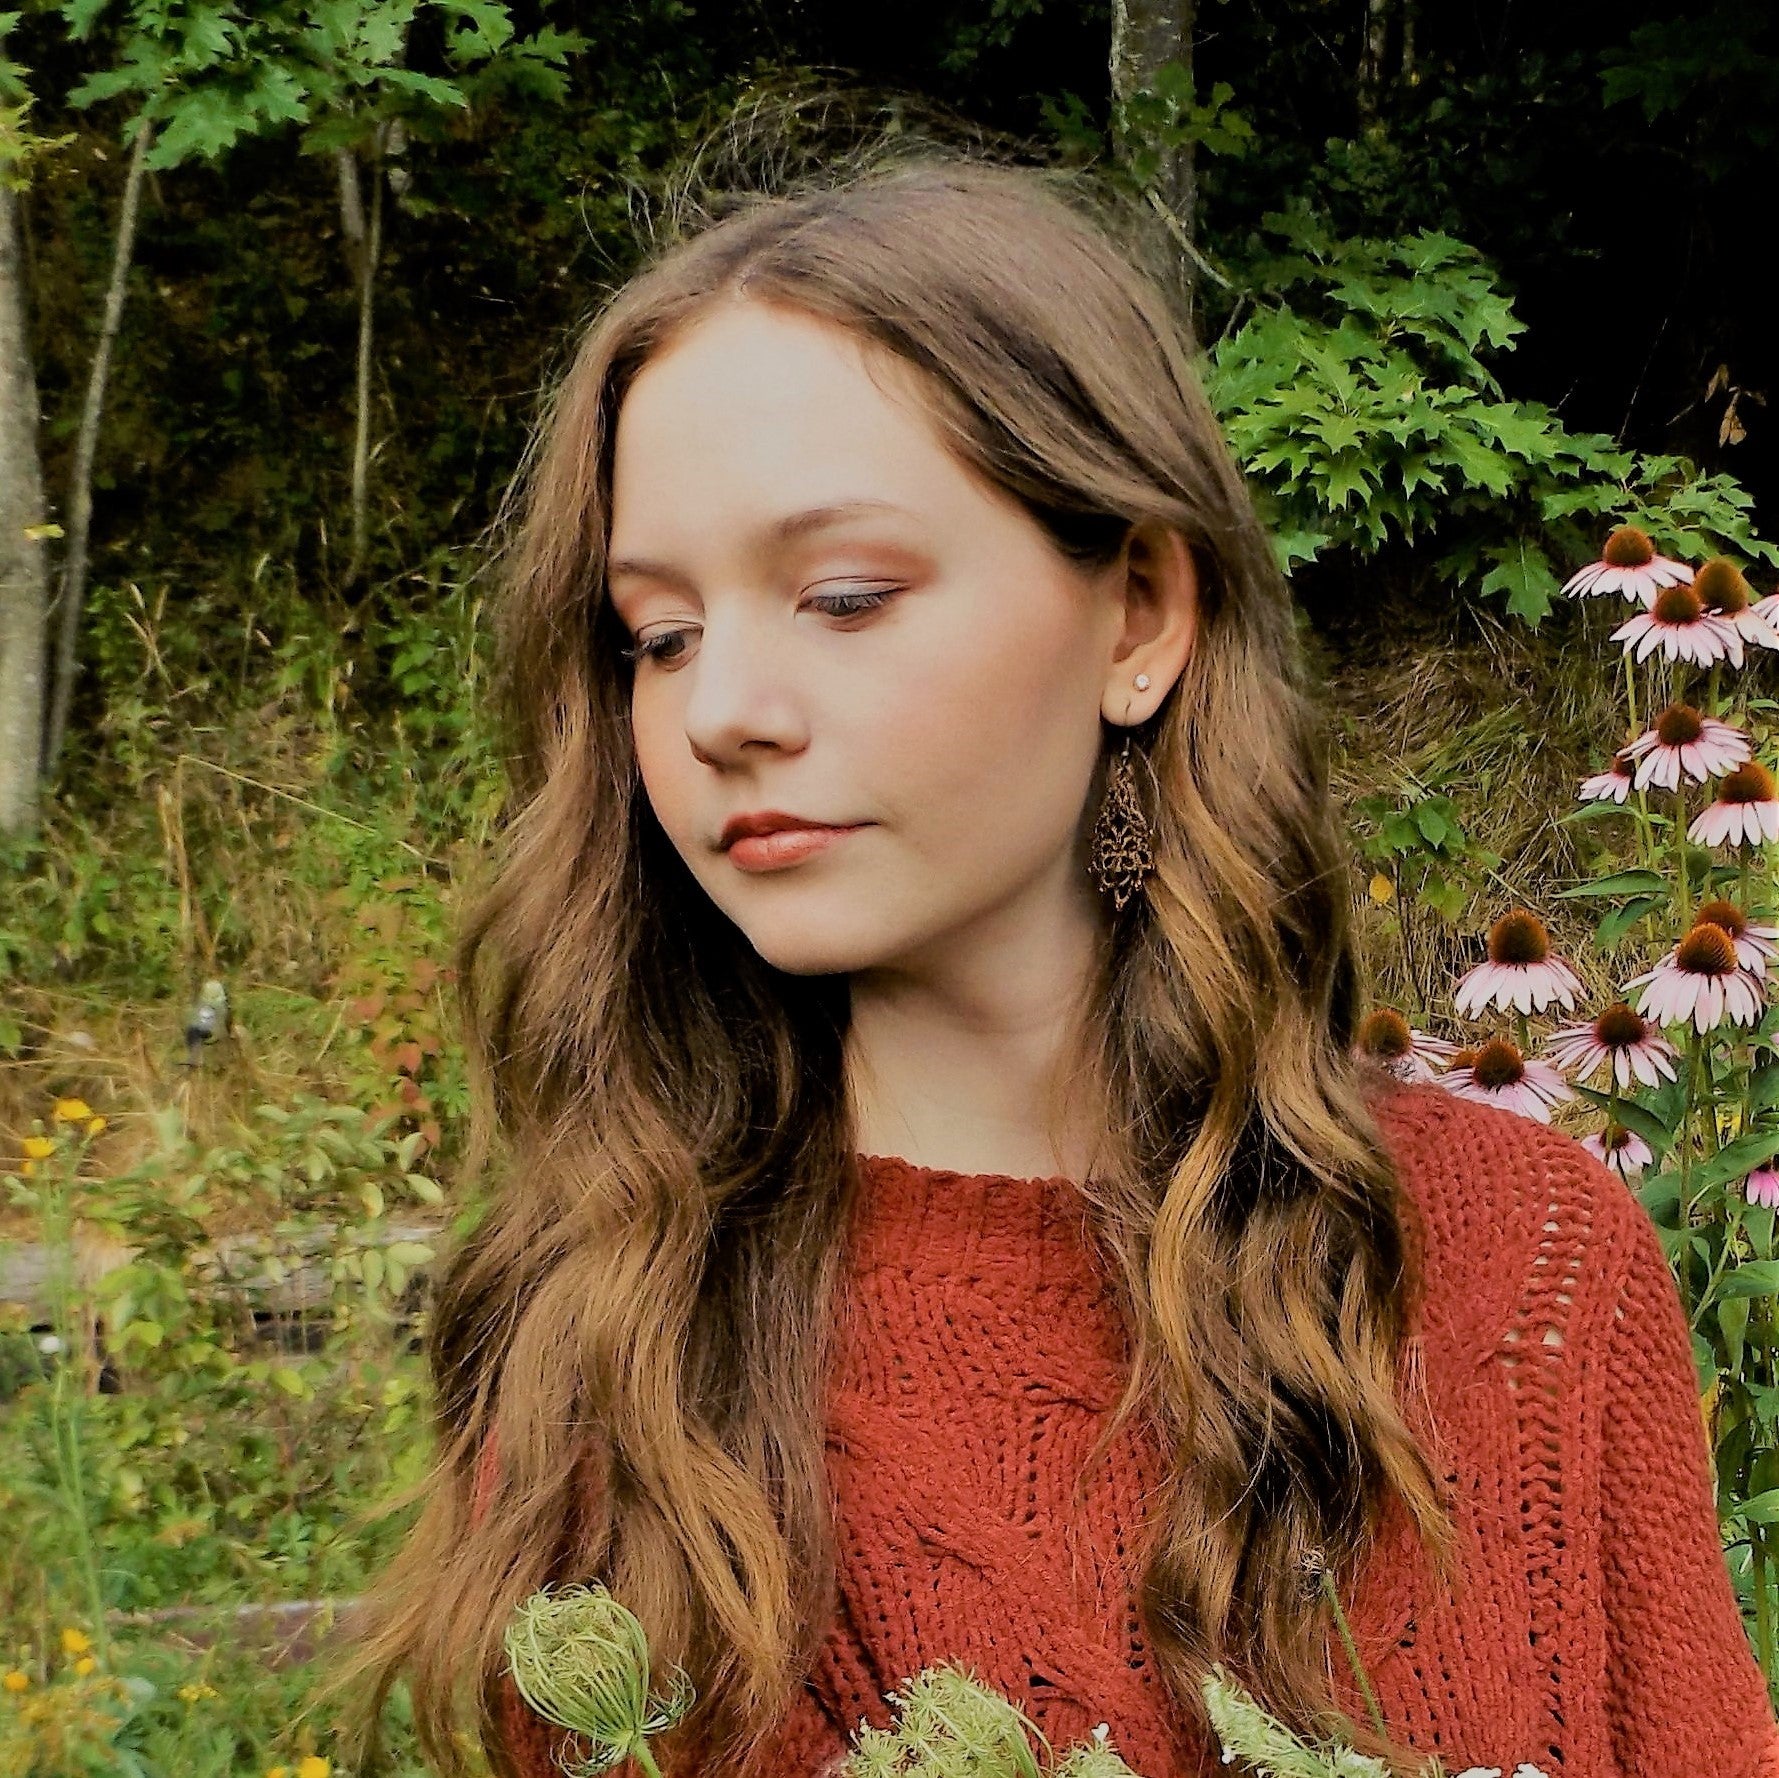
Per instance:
x=1686, y=1118
x=646, y=1760
x=1685, y=884
x=1763, y=1603
x=1631, y=692
x=1352, y=1648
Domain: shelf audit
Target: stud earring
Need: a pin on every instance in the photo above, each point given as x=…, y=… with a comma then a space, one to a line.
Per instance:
x=1121, y=855
x=1142, y=682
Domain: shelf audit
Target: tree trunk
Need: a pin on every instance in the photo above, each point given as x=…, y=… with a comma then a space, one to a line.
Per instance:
x=24, y=567
x=1372, y=60
x=80, y=500
x=1146, y=36
x=370, y=250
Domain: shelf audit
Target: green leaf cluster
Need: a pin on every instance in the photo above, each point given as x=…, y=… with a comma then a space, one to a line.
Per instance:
x=1358, y=397
x=206, y=74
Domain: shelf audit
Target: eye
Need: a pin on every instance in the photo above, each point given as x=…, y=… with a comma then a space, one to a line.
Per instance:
x=660, y=647
x=667, y=647
x=853, y=604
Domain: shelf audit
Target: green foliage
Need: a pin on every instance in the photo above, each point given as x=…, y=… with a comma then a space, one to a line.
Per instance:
x=351, y=58
x=209, y=73
x=1421, y=845
x=1168, y=115
x=1358, y=399
x=202, y=75
x=1713, y=73
x=1266, y=1746
x=20, y=146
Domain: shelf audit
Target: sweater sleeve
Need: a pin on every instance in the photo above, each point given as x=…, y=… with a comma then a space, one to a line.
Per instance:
x=1684, y=1687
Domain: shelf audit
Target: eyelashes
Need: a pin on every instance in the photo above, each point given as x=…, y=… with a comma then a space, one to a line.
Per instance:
x=662, y=647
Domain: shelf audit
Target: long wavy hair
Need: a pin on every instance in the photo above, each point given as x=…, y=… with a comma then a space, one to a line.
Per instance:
x=639, y=1324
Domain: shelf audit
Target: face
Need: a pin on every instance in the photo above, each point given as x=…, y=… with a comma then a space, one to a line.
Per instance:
x=841, y=623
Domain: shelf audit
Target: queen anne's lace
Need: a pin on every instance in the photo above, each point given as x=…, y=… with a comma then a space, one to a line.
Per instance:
x=1597, y=1632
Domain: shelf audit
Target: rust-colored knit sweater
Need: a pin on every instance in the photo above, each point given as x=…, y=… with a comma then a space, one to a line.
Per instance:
x=1595, y=1632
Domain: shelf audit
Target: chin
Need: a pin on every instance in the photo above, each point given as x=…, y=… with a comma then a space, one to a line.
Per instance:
x=816, y=935
x=805, y=952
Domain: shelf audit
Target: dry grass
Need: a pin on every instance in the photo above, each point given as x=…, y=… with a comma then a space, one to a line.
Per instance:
x=1504, y=721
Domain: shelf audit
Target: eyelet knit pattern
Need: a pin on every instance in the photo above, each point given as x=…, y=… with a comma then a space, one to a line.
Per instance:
x=1593, y=1630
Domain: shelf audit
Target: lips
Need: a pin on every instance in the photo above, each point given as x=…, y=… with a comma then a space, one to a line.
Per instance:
x=740, y=827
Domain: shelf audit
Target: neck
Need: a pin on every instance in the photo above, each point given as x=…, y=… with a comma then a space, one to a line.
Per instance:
x=971, y=1059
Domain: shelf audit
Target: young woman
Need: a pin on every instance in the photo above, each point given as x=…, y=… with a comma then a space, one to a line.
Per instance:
x=941, y=1217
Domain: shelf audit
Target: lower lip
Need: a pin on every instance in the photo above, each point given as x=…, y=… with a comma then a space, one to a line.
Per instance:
x=790, y=845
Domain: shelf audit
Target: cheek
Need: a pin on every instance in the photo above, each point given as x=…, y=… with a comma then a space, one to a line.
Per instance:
x=666, y=766
x=994, y=752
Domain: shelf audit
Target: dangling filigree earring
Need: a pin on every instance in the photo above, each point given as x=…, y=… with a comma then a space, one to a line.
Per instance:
x=1121, y=856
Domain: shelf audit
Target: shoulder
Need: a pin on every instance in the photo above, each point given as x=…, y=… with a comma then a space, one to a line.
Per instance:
x=1512, y=1220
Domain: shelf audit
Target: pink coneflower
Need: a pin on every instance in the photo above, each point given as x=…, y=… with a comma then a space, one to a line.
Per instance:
x=1684, y=741
x=1746, y=812
x=1755, y=945
x=1500, y=1075
x=1520, y=974
x=1624, y=1151
x=1702, y=981
x=1621, y=1041
x=1724, y=593
x=1612, y=785
x=1628, y=565
x=1388, y=1039
x=1762, y=1187
x=1680, y=626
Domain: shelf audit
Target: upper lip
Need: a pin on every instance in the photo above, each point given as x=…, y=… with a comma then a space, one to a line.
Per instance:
x=740, y=827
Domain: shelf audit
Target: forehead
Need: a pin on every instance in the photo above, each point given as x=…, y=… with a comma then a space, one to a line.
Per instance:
x=756, y=406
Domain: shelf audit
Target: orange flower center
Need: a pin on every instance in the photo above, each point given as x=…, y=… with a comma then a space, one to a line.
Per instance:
x=1518, y=938
x=1679, y=726
x=1722, y=913
x=1499, y=1064
x=1620, y=1026
x=1706, y=950
x=1628, y=547
x=1385, y=1034
x=1750, y=782
x=1678, y=605
x=1720, y=586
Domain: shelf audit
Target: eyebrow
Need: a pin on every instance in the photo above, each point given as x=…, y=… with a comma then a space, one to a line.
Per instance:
x=776, y=535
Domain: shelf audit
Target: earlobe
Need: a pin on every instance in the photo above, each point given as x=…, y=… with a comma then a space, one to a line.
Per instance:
x=1159, y=597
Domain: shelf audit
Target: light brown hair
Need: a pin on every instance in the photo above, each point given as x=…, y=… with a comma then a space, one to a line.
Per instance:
x=641, y=1320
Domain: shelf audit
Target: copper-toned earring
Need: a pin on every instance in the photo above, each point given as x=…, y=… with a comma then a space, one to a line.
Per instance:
x=1121, y=856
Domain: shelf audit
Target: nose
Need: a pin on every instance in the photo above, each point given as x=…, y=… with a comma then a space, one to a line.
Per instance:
x=744, y=695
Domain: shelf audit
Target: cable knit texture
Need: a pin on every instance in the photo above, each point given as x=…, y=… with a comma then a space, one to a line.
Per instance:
x=1593, y=1630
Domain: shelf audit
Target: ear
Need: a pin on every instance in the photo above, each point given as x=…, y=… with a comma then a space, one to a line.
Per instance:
x=1155, y=584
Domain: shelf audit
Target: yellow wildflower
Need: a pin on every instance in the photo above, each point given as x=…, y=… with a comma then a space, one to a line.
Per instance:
x=197, y=1692
x=76, y=1642
x=15, y=1681
x=85, y=1665
x=94, y=1125
x=28, y=1169
x=313, y=1766
x=40, y=1148
x=278, y=1772
x=72, y=1111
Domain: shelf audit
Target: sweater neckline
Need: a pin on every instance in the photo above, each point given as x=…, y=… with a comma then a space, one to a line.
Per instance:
x=878, y=1164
